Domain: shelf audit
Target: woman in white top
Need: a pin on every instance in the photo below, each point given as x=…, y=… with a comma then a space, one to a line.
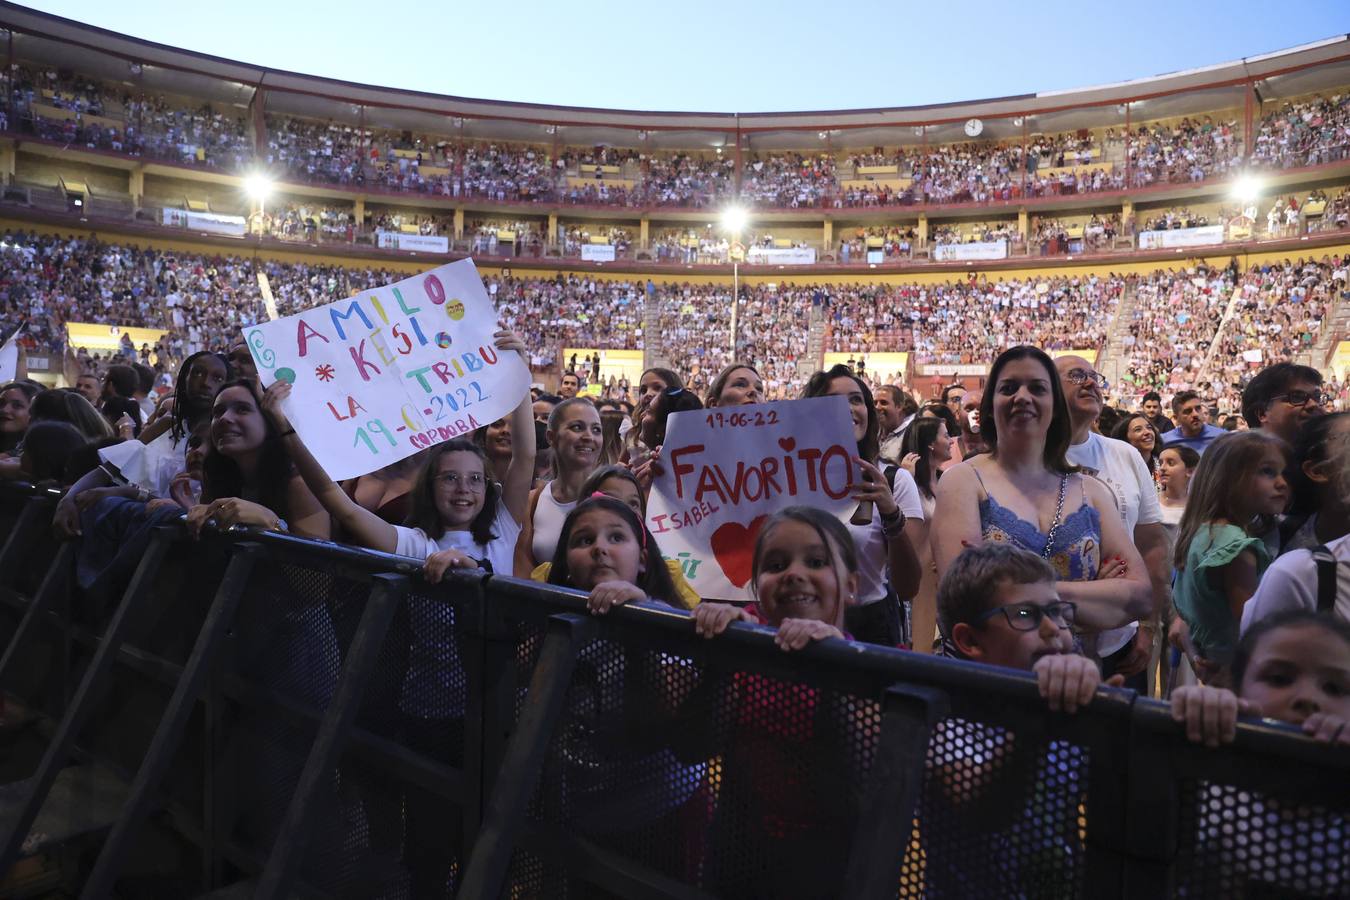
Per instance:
x=925, y=447
x=576, y=438
x=460, y=517
x=888, y=567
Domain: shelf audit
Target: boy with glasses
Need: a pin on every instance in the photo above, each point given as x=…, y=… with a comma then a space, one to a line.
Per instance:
x=999, y=815
x=997, y=604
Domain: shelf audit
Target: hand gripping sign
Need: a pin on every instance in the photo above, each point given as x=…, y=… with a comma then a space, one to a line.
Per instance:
x=726, y=470
x=391, y=371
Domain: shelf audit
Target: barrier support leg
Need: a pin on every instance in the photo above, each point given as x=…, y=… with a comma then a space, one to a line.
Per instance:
x=166, y=739
x=334, y=729
x=886, y=816
x=54, y=583
x=91, y=690
x=491, y=856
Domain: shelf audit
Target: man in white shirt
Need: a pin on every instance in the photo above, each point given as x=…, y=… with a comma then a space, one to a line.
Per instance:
x=1124, y=651
x=895, y=410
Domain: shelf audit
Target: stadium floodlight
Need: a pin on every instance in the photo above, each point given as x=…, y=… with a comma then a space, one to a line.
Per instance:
x=1247, y=188
x=734, y=219
x=258, y=186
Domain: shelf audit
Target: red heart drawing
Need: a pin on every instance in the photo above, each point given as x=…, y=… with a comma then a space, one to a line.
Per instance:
x=787, y=443
x=733, y=546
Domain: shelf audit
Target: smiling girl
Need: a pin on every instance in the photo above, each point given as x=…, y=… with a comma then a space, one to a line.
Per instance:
x=576, y=438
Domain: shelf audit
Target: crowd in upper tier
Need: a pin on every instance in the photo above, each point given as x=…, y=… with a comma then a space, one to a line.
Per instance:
x=73, y=109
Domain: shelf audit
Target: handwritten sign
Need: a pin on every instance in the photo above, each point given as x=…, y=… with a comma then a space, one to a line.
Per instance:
x=391, y=371
x=727, y=469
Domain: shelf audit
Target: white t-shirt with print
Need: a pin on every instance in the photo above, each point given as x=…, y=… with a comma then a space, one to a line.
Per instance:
x=1120, y=467
x=498, y=552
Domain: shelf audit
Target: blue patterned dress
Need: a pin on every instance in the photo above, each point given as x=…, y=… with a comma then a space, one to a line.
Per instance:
x=1077, y=550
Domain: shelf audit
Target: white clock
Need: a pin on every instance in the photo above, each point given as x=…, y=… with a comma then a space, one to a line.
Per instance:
x=974, y=127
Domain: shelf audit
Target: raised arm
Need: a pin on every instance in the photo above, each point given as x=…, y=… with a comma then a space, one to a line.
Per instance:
x=520, y=474
x=366, y=528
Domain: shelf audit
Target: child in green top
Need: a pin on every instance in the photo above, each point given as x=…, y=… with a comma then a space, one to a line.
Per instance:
x=1237, y=491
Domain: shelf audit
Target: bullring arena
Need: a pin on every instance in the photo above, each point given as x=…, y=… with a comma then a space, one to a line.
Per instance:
x=245, y=705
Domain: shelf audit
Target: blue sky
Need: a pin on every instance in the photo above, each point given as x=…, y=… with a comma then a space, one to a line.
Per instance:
x=719, y=56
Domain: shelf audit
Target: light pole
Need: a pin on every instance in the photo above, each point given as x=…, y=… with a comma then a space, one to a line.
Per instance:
x=733, y=221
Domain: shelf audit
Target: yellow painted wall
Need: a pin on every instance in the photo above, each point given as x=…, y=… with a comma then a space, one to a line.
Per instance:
x=224, y=198
x=618, y=363
x=48, y=172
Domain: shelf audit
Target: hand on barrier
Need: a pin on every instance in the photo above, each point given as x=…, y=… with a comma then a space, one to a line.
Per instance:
x=1209, y=713
x=230, y=511
x=711, y=619
x=1068, y=681
x=608, y=594
x=796, y=634
x=440, y=562
x=66, y=518
x=1327, y=728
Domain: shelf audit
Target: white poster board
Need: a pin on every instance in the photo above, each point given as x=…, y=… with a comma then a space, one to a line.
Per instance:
x=977, y=250
x=781, y=256
x=727, y=469
x=9, y=355
x=597, y=252
x=426, y=243
x=391, y=371
x=1181, y=237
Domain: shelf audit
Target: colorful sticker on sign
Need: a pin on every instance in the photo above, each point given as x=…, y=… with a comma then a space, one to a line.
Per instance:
x=385, y=383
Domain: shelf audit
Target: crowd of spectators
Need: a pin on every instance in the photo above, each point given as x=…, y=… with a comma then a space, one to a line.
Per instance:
x=1279, y=313
x=956, y=323
x=1309, y=133
x=200, y=300
x=121, y=119
x=73, y=109
x=1175, y=315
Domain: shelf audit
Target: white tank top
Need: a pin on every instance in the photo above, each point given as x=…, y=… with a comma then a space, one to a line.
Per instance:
x=548, y=522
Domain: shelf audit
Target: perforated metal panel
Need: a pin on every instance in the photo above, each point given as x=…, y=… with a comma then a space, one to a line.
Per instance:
x=1002, y=815
x=744, y=784
x=1243, y=843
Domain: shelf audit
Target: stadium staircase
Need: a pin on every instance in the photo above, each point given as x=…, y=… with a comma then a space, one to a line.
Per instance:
x=814, y=358
x=653, y=351
x=1335, y=328
x=1114, y=362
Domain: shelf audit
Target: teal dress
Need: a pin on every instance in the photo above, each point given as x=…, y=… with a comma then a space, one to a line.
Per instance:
x=1199, y=596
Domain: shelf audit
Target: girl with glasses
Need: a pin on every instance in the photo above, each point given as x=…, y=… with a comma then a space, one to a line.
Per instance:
x=460, y=517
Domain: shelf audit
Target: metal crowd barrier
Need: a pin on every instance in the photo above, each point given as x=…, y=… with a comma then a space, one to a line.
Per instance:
x=255, y=715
